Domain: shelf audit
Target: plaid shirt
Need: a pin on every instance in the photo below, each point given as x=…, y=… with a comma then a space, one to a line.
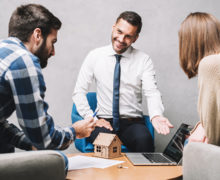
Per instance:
x=22, y=88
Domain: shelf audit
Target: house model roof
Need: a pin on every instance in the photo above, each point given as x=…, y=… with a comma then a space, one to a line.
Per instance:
x=105, y=139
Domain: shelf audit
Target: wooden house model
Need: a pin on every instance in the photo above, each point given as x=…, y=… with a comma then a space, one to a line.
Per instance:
x=107, y=146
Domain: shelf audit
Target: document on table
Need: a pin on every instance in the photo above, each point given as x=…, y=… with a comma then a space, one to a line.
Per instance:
x=82, y=162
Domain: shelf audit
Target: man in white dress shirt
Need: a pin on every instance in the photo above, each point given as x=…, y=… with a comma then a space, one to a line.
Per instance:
x=137, y=76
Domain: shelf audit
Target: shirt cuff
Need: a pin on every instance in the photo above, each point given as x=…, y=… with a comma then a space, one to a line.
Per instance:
x=73, y=132
x=154, y=115
x=89, y=115
x=24, y=144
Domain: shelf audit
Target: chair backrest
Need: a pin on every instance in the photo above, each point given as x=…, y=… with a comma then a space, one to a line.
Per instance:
x=201, y=161
x=34, y=165
x=92, y=100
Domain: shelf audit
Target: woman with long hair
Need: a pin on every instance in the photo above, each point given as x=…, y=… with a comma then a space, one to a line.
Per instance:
x=199, y=52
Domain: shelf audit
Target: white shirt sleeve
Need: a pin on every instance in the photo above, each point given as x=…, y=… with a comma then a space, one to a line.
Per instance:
x=85, y=78
x=150, y=90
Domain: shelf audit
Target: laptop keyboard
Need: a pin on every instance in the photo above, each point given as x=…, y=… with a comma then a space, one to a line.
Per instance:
x=156, y=158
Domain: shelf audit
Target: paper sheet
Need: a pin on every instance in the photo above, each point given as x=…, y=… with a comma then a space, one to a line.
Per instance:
x=82, y=162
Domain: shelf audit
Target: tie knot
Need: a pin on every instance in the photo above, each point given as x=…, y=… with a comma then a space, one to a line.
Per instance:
x=118, y=57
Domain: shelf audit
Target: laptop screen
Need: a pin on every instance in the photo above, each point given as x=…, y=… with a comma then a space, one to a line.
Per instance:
x=174, y=149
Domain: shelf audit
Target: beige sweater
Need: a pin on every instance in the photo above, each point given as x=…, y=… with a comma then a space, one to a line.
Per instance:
x=209, y=97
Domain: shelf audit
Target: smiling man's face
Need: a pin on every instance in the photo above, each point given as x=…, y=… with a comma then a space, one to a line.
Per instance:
x=123, y=35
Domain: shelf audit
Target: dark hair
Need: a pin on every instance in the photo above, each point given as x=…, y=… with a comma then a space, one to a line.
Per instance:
x=199, y=36
x=28, y=17
x=131, y=17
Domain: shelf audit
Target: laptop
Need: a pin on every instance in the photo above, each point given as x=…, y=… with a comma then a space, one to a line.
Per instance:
x=172, y=154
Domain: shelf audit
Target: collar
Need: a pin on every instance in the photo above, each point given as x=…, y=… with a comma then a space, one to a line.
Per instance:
x=126, y=54
x=17, y=41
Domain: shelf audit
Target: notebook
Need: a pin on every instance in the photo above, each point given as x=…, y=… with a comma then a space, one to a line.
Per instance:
x=172, y=154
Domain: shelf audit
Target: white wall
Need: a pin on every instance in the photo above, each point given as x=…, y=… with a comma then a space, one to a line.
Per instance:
x=87, y=25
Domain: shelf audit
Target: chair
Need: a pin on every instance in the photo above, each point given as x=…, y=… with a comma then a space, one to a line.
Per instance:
x=82, y=144
x=34, y=165
x=201, y=161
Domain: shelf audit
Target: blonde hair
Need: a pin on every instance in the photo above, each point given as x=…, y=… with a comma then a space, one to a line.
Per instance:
x=199, y=36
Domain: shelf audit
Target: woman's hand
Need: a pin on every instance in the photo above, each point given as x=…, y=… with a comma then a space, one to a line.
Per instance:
x=198, y=134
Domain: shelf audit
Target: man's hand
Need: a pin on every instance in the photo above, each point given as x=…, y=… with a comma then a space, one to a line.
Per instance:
x=104, y=123
x=198, y=135
x=33, y=148
x=83, y=128
x=161, y=124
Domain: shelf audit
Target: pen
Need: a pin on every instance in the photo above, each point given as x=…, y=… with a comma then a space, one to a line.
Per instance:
x=95, y=112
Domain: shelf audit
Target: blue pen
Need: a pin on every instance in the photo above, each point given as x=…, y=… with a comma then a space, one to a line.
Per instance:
x=95, y=112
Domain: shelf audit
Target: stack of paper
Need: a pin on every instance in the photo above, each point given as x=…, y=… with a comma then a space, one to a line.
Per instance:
x=82, y=162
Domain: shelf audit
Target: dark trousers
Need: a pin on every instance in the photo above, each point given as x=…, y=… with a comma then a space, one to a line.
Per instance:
x=133, y=133
x=6, y=148
x=5, y=138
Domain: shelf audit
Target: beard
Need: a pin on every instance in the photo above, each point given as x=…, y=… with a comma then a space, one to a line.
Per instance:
x=42, y=54
x=119, y=51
